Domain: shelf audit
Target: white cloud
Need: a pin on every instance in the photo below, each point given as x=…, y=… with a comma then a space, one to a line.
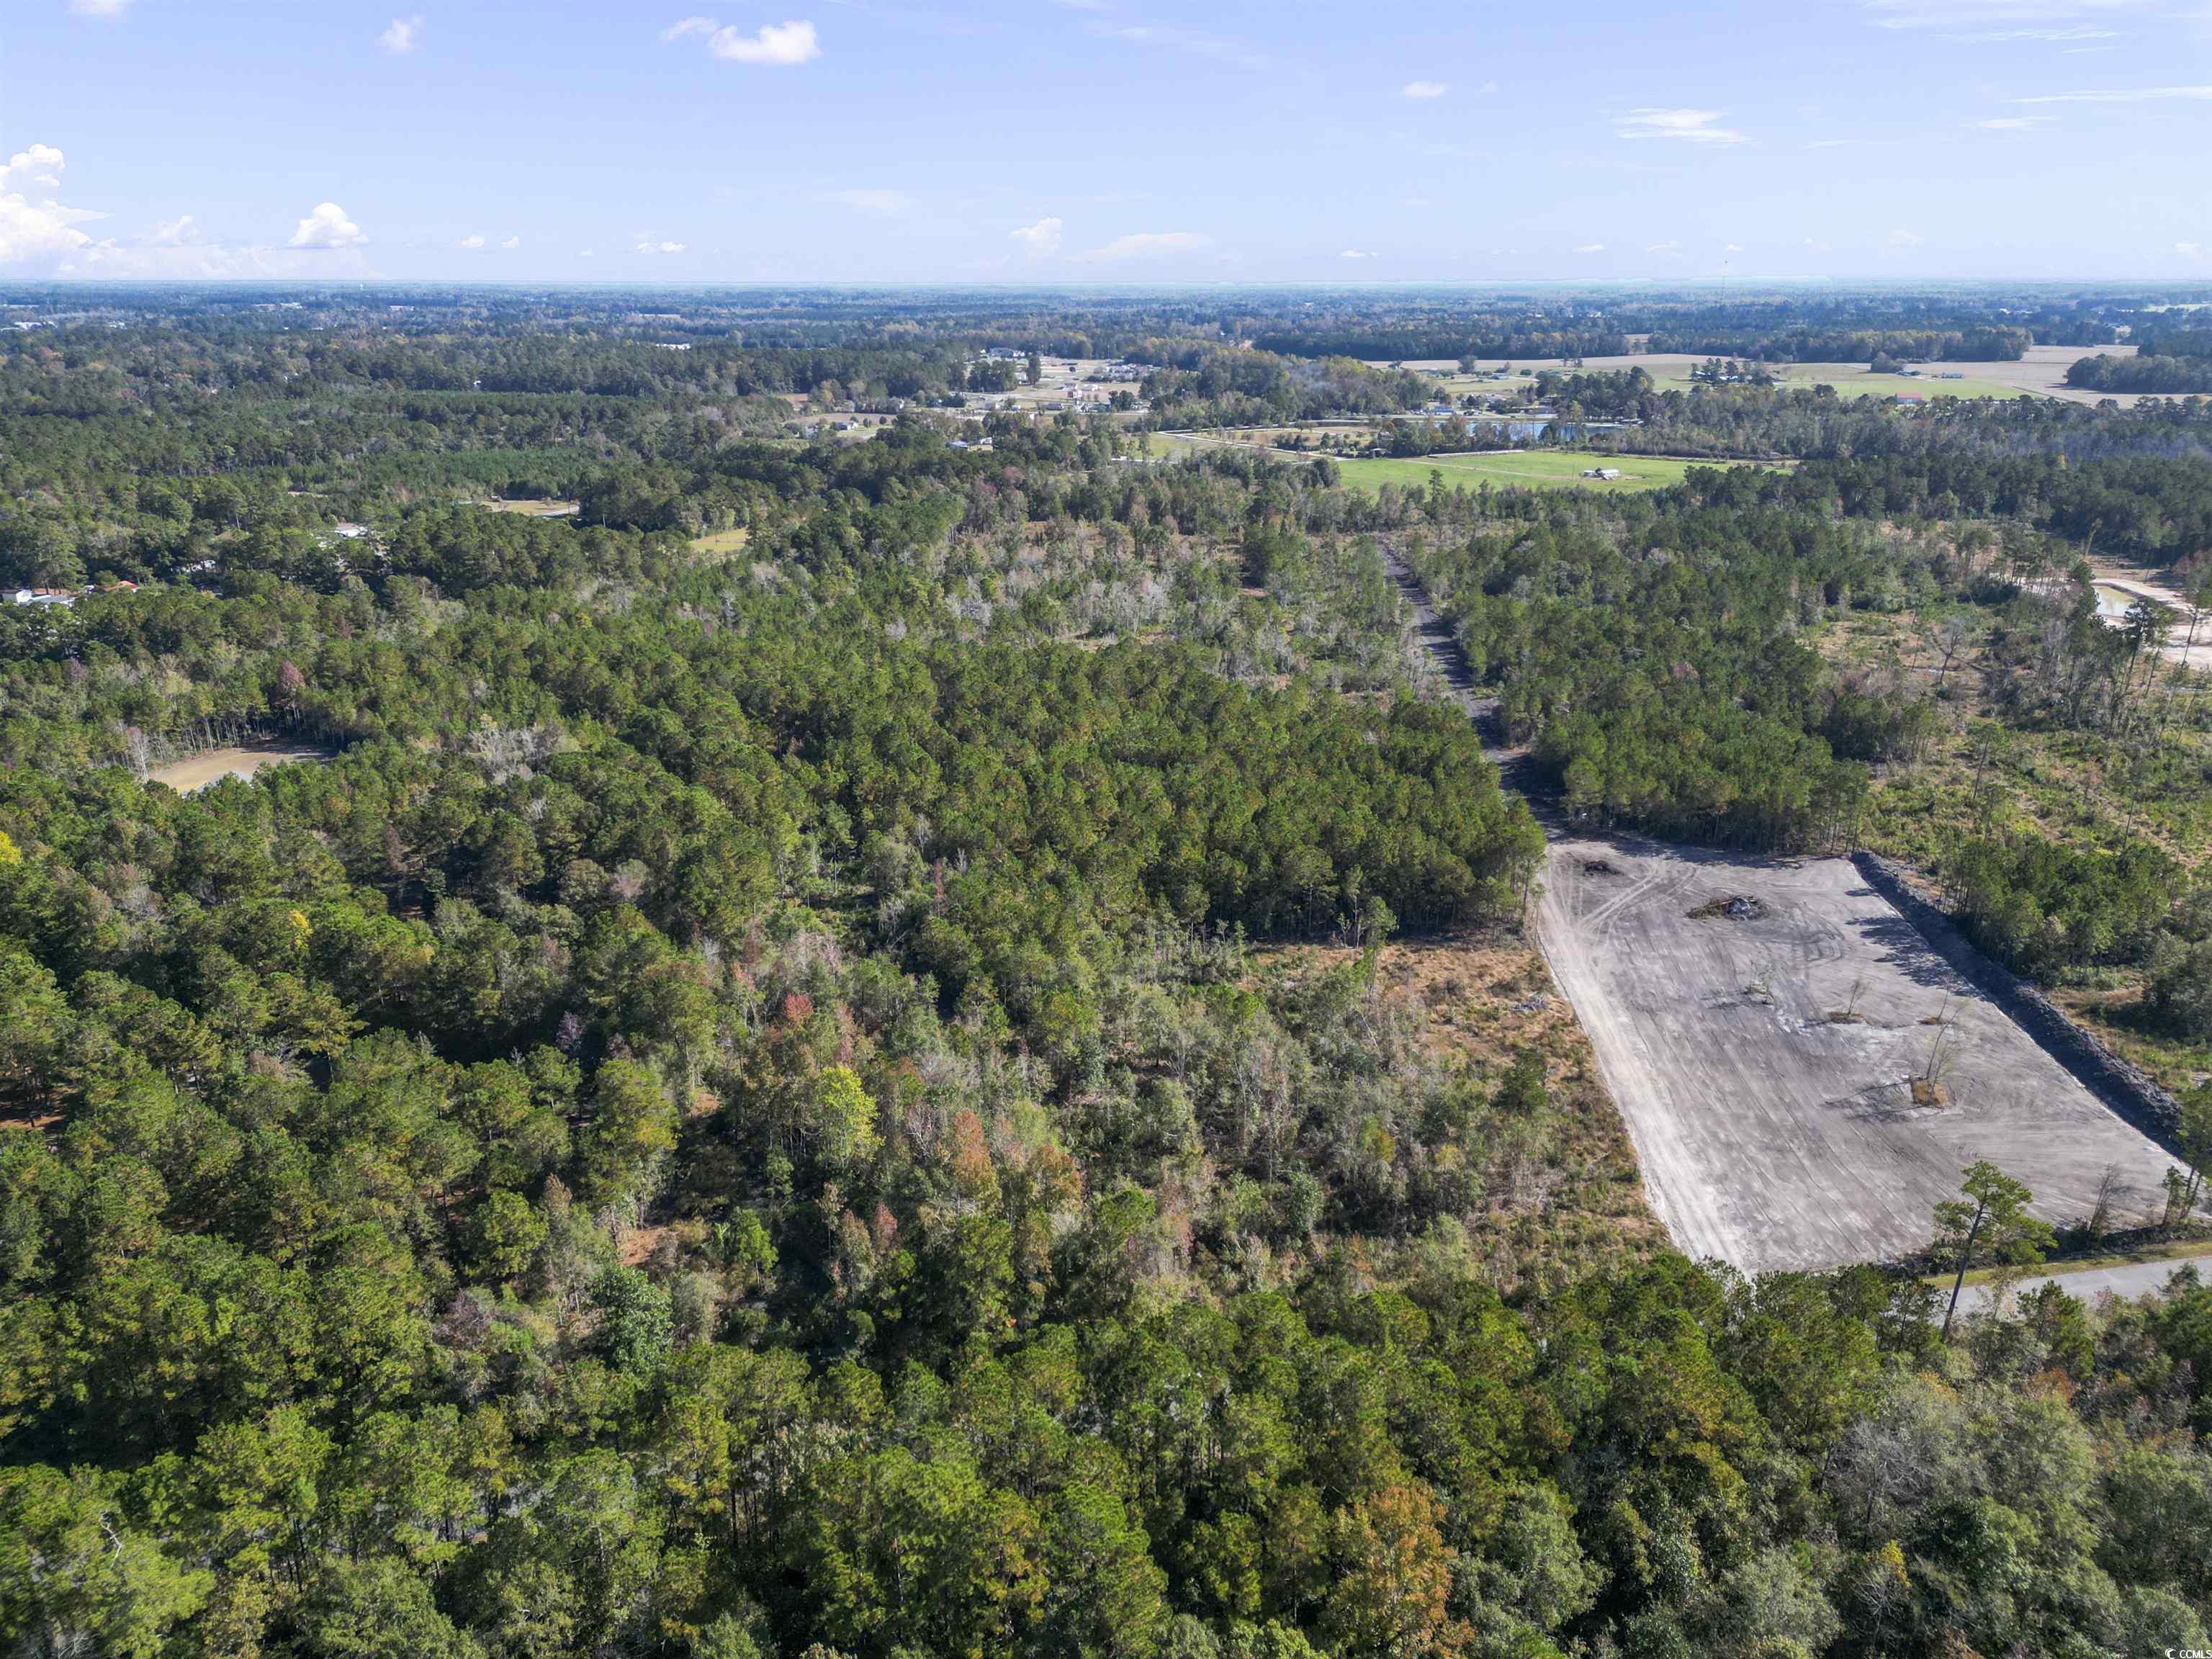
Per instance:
x=1040, y=240
x=2192, y=250
x=2122, y=96
x=1732, y=248
x=174, y=233
x=869, y=201
x=99, y=8
x=1591, y=248
x=1694, y=126
x=1905, y=239
x=1358, y=253
x=33, y=224
x=511, y=242
x=2014, y=123
x=327, y=227
x=1665, y=250
x=786, y=43
x=1146, y=244
x=647, y=245
x=1424, y=89
x=402, y=34
x=473, y=241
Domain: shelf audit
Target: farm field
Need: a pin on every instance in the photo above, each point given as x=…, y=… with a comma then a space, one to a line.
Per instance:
x=2042, y=373
x=1772, y=1134
x=1527, y=469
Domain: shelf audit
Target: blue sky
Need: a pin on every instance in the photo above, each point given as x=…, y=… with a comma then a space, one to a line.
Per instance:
x=1060, y=141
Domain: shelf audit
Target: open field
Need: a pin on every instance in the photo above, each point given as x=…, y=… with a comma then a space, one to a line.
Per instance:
x=196, y=772
x=1771, y=1132
x=722, y=543
x=2040, y=374
x=1527, y=469
x=539, y=509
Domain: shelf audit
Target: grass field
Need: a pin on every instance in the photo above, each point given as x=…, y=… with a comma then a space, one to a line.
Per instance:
x=1525, y=468
x=540, y=509
x=723, y=543
x=1670, y=372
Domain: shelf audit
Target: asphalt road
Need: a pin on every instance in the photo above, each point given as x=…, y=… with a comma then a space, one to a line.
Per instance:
x=2126, y=1279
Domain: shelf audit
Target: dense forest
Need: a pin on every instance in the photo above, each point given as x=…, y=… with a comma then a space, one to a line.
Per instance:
x=816, y=1054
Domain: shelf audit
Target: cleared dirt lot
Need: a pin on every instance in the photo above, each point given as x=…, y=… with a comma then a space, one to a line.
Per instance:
x=197, y=771
x=1770, y=1135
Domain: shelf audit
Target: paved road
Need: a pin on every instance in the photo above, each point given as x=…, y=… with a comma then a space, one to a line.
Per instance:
x=2128, y=1278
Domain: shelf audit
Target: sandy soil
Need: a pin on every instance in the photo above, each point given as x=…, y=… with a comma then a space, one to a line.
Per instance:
x=2119, y=586
x=1772, y=1135
x=197, y=771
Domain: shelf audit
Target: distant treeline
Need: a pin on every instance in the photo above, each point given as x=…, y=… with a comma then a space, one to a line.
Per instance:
x=2173, y=359
x=1415, y=344
x=1966, y=345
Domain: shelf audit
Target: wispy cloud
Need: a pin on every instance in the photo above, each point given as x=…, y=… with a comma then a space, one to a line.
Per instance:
x=1905, y=239
x=1664, y=250
x=1146, y=244
x=785, y=43
x=648, y=245
x=401, y=35
x=1040, y=240
x=2001, y=19
x=1991, y=36
x=2014, y=123
x=2191, y=252
x=1170, y=38
x=472, y=242
x=327, y=228
x=1591, y=248
x=99, y=8
x=1424, y=89
x=1693, y=126
x=2122, y=96
x=1358, y=253
x=884, y=201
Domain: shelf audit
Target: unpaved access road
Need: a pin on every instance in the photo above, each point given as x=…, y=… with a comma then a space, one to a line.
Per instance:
x=1770, y=1134
x=1764, y=1061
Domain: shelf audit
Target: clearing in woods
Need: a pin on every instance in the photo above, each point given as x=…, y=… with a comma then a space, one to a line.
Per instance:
x=1803, y=1076
x=1761, y=1025
x=196, y=772
x=1527, y=469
